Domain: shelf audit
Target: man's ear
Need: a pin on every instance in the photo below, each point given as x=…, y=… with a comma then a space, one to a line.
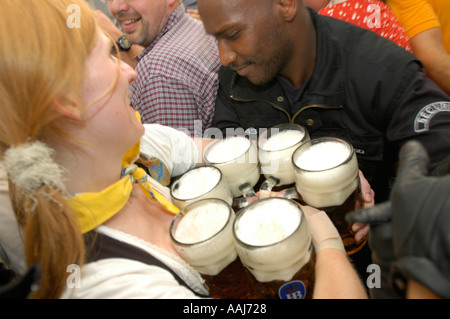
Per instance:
x=287, y=9
x=67, y=108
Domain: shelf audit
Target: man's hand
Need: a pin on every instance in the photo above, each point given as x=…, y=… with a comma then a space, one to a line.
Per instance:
x=368, y=199
x=323, y=232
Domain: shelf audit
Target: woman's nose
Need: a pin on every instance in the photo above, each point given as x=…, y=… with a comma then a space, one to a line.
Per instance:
x=129, y=72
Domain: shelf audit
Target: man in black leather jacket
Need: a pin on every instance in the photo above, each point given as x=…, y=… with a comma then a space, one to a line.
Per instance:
x=282, y=62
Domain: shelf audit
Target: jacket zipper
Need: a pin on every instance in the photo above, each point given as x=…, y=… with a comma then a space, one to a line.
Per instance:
x=291, y=119
x=316, y=106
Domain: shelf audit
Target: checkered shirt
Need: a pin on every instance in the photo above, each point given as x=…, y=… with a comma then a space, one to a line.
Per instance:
x=177, y=76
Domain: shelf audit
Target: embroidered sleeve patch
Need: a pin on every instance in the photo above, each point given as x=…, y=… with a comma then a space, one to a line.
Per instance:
x=423, y=118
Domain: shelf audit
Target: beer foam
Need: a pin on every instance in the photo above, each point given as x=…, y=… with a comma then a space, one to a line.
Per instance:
x=268, y=222
x=201, y=223
x=197, y=182
x=228, y=149
x=282, y=140
x=322, y=156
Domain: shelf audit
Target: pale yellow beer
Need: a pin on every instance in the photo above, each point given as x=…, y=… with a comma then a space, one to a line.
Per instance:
x=202, y=235
x=276, y=146
x=274, y=244
x=199, y=183
x=237, y=159
x=327, y=177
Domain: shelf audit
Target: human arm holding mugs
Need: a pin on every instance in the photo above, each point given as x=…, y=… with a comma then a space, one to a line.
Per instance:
x=174, y=148
x=179, y=153
x=335, y=275
x=166, y=153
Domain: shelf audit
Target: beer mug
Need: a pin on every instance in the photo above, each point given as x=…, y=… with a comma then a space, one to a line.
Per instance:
x=198, y=183
x=327, y=178
x=276, y=146
x=274, y=243
x=202, y=235
x=237, y=158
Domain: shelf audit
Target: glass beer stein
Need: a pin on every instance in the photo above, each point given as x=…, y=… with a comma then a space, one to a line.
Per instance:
x=237, y=159
x=327, y=177
x=275, y=149
x=274, y=244
x=202, y=235
x=199, y=183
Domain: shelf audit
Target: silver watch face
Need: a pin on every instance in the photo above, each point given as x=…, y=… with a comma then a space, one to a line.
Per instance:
x=124, y=43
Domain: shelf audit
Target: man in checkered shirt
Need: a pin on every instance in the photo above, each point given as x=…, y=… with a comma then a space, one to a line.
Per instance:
x=177, y=70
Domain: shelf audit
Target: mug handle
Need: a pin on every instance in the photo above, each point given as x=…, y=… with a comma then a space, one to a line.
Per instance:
x=266, y=187
x=247, y=190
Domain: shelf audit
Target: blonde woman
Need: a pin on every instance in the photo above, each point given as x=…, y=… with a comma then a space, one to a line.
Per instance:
x=68, y=143
x=65, y=125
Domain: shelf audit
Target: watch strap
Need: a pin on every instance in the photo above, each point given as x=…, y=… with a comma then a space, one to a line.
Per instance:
x=121, y=46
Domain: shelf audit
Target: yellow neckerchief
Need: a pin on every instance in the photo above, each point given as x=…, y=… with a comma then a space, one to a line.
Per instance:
x=93, y=209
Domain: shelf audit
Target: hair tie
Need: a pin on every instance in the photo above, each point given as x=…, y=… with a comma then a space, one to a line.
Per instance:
x=31, y=165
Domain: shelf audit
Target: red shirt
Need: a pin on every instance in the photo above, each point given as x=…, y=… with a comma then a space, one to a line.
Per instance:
x=373, y=15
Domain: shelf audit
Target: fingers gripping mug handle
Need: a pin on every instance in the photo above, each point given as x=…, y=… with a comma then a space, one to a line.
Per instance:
x=266, y=187
x=247, y=190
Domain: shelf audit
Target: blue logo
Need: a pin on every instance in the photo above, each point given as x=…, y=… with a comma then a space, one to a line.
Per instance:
x=159, y=172
x=292, y=290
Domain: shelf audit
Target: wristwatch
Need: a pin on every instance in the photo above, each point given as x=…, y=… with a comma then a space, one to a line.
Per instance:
x=123, y=43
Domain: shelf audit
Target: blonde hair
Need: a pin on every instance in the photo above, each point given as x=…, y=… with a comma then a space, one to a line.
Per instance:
x=43, y=61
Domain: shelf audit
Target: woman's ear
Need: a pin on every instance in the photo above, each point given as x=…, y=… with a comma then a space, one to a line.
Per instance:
x=67, y=108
